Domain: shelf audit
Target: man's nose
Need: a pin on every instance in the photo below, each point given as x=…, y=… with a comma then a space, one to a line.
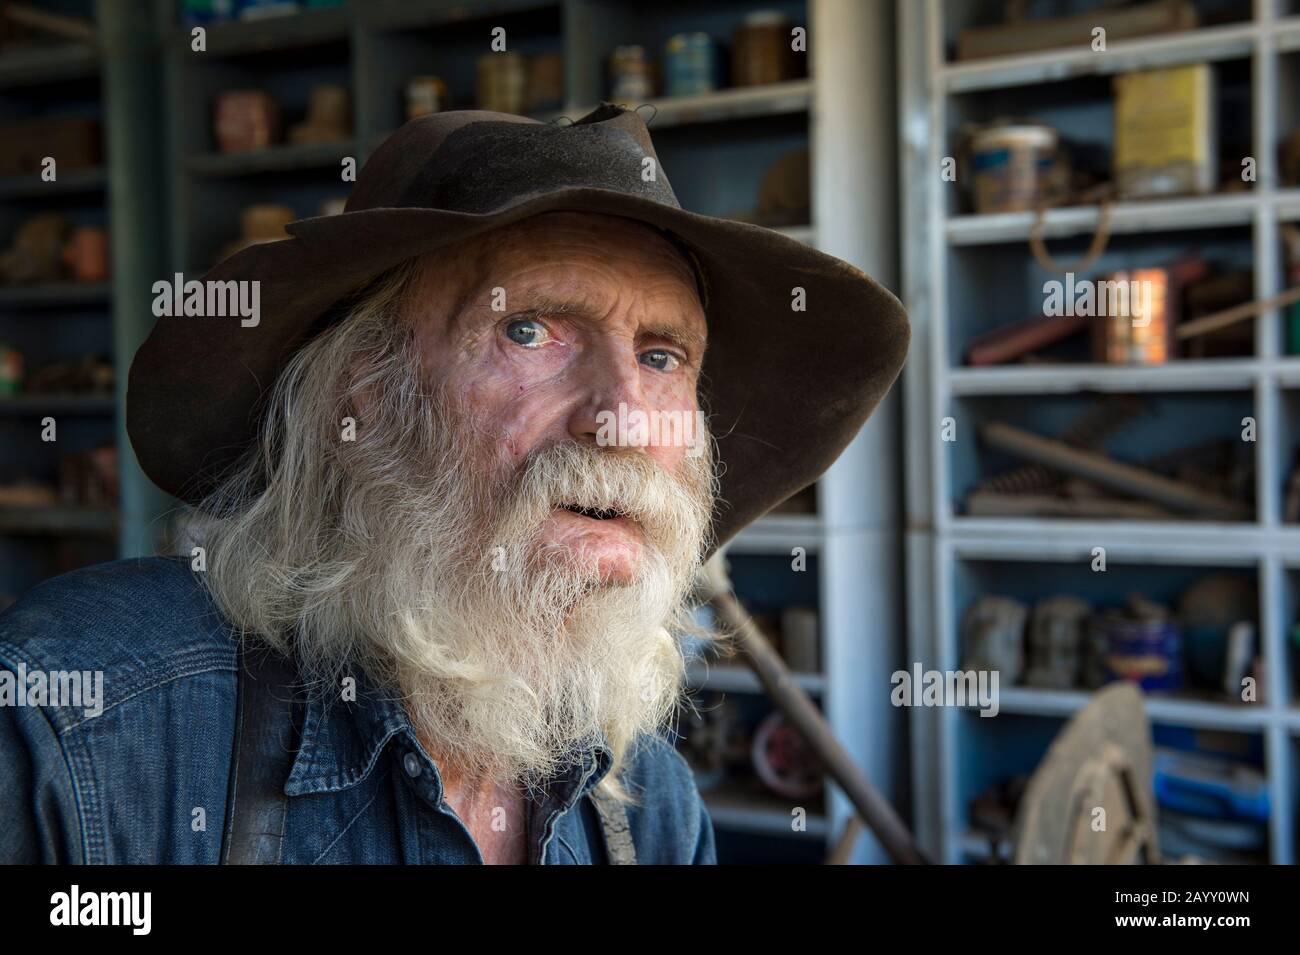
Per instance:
x=612, y=403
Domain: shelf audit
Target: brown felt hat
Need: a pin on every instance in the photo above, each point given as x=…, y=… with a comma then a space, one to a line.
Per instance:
x=785, y=390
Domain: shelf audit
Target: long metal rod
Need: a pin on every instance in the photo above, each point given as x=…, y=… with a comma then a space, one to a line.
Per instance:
x=800, y=710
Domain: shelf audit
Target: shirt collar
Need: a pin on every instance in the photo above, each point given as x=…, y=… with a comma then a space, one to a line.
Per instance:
x=342, y=742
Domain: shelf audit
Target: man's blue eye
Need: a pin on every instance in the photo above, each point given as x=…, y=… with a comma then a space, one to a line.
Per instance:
x=526, y=332
x=660, y=360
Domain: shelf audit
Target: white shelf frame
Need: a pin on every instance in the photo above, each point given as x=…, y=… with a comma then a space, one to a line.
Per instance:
x=938, y=538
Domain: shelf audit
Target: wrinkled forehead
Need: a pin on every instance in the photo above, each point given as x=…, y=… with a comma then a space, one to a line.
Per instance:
x=560, y=249
x=549, y=237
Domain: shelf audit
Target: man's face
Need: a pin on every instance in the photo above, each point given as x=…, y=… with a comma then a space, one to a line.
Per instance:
x=541, y=327
x=436, y=545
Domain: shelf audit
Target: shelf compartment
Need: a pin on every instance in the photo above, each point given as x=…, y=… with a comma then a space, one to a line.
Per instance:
x=50, y=64
x=993, y=285
x=718, y=169
x=738, y=800
x=60, y=520
x=1194, y=437
x=740, y=811
x=1287, y=460
x=69, y=182
x=55, y=295
x=215, y=208
x=1082, y=111
x=1208, y=44
x=287, y=158
x=779, y=534
x=991, y=751
x=43, y=404
x=1290, y=640
x=1152, y=215
x=270, y=35
x=1199, y=699
x=422, y=39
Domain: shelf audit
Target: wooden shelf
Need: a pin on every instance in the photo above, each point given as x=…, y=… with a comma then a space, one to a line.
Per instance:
x=69, y=182
x=56, y=295
x=58, y=520
x=49, y=64
x=38, y=404
x=277, y=159
x=270, y=34
x=391, y=15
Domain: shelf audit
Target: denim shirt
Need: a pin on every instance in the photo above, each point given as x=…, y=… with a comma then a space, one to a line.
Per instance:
x=146, y=780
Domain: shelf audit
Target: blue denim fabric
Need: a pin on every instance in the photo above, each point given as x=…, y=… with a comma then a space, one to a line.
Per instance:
x=127, y=785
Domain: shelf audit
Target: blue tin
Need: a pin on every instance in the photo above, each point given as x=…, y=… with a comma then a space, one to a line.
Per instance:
x=690, y=64
x=1147, y=652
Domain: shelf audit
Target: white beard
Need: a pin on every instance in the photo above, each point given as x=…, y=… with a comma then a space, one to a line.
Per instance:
x=408, y=554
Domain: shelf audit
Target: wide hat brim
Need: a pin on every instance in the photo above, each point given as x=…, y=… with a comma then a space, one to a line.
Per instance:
x=785, y=389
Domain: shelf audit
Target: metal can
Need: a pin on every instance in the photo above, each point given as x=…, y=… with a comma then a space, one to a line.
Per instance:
x=1131, y=318
x=545, y=81
x=760, y=50
x=1012, y=166
x=11, y=370
x=502, y=78
x=425, y=95
x=1147, y=652
x=690, y=64
x=629, y=74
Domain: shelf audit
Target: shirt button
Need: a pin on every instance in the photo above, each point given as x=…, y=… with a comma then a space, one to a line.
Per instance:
x=412, y=765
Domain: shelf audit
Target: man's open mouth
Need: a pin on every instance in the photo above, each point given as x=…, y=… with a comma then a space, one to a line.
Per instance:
x=596, y=514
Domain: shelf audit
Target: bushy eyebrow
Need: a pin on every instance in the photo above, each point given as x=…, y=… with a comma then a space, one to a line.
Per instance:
x=681, y=334
x=687, y=338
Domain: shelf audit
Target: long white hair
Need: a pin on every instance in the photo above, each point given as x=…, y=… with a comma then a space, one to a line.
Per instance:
x=374, y=526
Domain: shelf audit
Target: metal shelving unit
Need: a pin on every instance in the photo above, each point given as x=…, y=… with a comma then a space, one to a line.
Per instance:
x=42, y=321
x=949, y=554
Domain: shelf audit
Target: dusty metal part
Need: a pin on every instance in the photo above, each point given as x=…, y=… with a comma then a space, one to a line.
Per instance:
x=1091, y=800
x=1094, y=426
x=1110, y=473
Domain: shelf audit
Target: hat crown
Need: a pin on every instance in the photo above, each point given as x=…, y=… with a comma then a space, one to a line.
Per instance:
x=476, y=161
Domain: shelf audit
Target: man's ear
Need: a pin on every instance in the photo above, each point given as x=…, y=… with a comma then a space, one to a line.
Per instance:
x=362, y=384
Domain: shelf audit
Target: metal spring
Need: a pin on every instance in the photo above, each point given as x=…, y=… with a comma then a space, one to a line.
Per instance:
x=1091, y=429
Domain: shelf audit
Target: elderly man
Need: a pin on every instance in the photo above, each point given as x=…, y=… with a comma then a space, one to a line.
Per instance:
x=450, y=490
